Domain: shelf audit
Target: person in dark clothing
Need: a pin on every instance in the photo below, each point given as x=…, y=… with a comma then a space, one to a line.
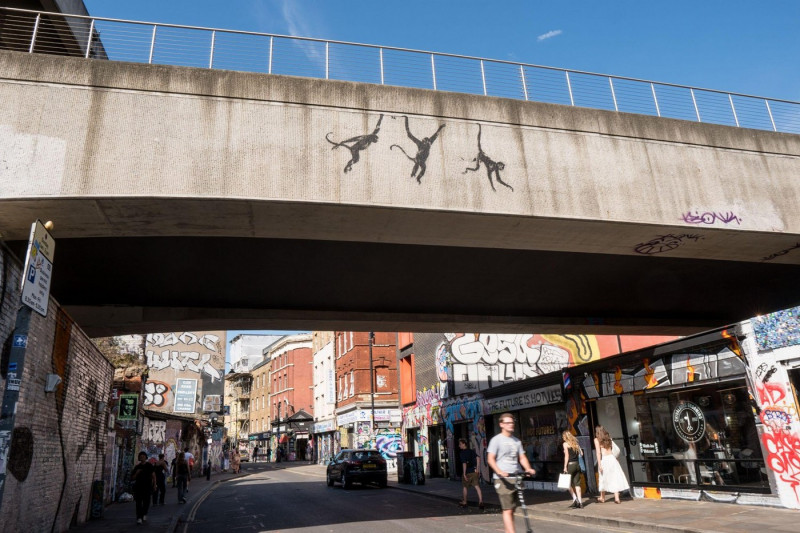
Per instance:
x=161, y=470
x=144, y=482
x=469, y=476
x=184, y=474
x=172, y=470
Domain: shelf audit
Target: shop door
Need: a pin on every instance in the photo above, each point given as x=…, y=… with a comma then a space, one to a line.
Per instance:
x=609, y=416
x=439, y=466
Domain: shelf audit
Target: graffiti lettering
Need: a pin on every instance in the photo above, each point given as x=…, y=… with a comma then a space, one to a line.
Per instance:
x=664, y=243
x=710, y=217
x=775, y=418
x=481, y=362
x=208, y=341
x=154, y=431
x=181, y=361
x=428, y=396
x=770, y=393
x=783, y=457
x=785, y=251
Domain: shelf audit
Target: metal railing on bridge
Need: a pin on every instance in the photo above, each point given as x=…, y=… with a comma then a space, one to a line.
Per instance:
x=169, y=44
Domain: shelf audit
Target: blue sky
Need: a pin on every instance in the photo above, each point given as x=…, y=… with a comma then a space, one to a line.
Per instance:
x=734, y=45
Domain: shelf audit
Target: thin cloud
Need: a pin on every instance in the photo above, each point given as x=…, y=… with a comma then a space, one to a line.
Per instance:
x=548, y=35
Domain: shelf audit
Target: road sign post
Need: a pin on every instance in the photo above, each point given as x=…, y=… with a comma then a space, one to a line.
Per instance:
x=38, y=269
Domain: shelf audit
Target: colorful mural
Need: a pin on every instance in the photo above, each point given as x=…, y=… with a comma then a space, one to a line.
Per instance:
x=773, y=349
x=477, y=362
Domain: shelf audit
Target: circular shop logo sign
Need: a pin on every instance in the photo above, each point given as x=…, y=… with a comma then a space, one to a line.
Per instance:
x=689, y=422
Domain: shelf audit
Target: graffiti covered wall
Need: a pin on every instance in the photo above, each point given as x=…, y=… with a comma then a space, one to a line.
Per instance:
x=773, y=365
x=193, y=360
x=58, y=444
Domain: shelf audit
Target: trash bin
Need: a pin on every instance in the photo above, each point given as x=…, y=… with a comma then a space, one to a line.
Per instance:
x=416, y=471
x=402, y=469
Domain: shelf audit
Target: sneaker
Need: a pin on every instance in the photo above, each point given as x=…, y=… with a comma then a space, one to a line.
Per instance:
x=144, y=518
x=138, y=520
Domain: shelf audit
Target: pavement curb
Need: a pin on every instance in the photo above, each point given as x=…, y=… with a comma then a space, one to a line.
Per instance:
x=596, y=520
x=578, y=517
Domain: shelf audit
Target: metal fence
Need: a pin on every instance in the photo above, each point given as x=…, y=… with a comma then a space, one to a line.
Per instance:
x=167, y=44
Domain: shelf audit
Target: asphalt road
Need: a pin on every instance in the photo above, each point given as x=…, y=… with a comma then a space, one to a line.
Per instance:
x=299, y=500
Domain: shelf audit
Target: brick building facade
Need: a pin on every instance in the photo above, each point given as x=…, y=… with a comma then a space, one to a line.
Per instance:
x=356, y=389
x=59, y=442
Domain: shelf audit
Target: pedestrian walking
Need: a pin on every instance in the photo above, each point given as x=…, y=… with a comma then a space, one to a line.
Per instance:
x=572, y=453
x=612, y=478
x=184, y=475
x=161, y=469
x=144, y=483
x=269, y=454
x=505, y=455
x=189, y=457
x=469, y=475
x=235, y=461
x=172, y=470
x=255, y=454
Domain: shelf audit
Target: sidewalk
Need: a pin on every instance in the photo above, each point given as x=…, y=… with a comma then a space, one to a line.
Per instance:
x=660, y=516
x=654, y=516
x=121, y=517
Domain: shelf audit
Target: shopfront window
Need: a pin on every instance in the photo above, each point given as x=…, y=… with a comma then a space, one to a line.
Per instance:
x=540, y=431
x=699, y=436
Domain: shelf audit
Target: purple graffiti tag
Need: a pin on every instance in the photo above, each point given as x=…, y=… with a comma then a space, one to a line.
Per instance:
x=710, y=217
x=664, y=243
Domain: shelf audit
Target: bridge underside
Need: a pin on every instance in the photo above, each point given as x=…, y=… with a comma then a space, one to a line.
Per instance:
x=174, y=283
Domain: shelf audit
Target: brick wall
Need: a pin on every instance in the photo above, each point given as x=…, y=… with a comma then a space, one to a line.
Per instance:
x=59, y=439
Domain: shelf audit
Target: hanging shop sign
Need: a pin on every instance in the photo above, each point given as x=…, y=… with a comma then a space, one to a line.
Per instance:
x=524, y=400
x=689, y=421
x=128, y=407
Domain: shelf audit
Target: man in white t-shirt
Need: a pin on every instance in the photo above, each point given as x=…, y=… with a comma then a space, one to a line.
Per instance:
x=505, y=455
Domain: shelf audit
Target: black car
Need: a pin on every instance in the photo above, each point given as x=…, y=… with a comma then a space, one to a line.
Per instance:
x=357, y=466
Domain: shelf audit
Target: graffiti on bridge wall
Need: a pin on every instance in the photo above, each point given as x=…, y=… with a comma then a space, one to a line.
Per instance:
x=419, y=153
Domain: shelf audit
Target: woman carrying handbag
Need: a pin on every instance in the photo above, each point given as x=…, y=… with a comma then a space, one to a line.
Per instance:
x=572, y=467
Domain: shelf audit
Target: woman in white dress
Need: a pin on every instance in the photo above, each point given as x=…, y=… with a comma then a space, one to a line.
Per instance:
x=612, y=478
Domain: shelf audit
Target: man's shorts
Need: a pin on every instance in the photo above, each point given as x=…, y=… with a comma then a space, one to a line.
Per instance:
x=470, y=480
x=507, y=493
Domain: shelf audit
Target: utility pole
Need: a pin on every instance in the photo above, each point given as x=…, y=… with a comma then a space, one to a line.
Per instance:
x=372, y=380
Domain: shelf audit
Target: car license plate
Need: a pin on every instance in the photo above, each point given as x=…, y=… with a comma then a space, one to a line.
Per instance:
x=368, y=465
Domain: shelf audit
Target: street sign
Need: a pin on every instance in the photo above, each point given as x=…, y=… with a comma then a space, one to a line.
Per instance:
x=185, y=395
x=38, y=269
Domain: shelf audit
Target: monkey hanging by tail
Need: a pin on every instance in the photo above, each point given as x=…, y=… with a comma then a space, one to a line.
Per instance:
x=492, y=167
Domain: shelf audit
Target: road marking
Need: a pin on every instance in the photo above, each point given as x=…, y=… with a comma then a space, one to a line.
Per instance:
x=196, y=506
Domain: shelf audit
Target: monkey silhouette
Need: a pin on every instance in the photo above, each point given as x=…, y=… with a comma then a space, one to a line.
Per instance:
x=492, y=167
x=359, y=143
x=423, y=151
